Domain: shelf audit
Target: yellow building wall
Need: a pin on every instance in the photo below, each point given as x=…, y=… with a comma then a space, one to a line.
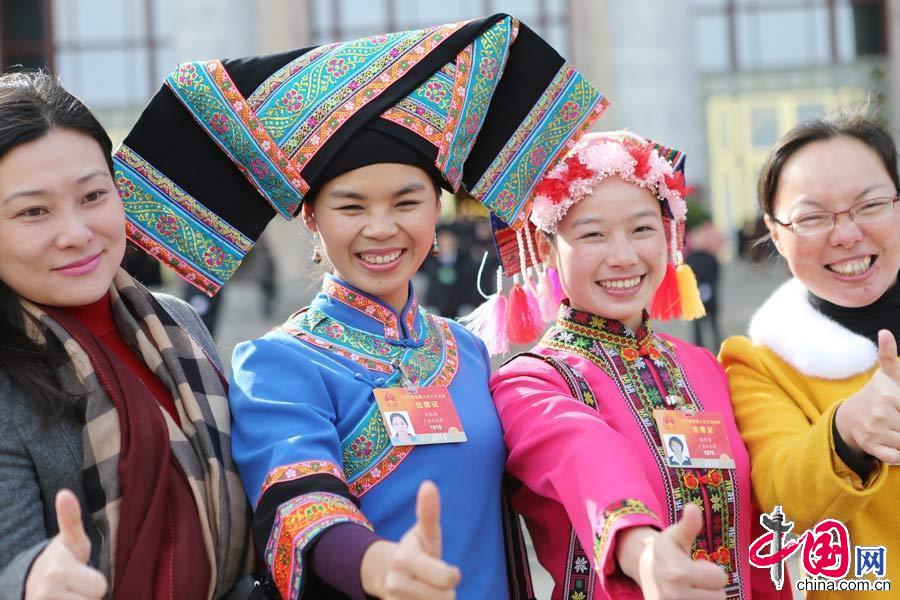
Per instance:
x=742, y=129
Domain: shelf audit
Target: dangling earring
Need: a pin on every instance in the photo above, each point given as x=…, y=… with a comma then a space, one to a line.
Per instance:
x=435, y=249
x=317, y=253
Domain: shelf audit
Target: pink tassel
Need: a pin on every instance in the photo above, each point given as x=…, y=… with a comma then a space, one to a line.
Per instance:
x=534, y=306
x=546, y=301
x=521, y=327
x=488, y=322
x=555, y=286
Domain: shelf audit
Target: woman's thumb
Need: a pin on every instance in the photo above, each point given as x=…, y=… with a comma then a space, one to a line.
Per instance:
x=687, y=529
x=71, y=529
x=428, y=518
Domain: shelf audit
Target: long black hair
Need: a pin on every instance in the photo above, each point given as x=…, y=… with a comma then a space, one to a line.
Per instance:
x=32, y=104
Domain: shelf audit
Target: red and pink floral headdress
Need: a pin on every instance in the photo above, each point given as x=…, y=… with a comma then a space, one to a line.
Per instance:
x=536, y=292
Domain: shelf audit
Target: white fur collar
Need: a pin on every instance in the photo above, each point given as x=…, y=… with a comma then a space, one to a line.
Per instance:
x=808, y=340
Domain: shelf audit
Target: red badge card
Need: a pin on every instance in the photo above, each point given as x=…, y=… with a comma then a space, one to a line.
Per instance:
x=694, y=441
x=421, y=416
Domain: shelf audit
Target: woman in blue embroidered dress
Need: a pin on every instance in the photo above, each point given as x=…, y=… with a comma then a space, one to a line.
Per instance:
x=359, y=137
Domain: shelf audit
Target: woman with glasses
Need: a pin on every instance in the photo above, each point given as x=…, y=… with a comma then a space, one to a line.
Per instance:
x=816, y=387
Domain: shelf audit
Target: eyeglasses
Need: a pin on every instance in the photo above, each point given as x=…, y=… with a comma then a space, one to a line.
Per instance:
x=867, y=211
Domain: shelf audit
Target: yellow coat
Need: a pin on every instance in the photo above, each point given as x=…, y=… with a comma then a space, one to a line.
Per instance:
x=786, y=382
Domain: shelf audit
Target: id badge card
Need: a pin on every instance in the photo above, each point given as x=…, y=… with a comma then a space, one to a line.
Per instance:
x=421, y=416
x=694, y=440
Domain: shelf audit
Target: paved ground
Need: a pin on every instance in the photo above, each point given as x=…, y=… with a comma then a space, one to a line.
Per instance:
x=744, y=287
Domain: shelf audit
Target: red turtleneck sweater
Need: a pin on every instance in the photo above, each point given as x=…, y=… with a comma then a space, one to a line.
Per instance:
x=98, y=318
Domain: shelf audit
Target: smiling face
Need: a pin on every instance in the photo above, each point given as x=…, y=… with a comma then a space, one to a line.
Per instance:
x=377, y=226
x=62, y=224
x=610, y=251
x=854, y=264
x=401, y=427
x=676, y=447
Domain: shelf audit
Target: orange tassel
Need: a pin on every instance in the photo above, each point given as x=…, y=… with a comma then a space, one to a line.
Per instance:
x=666, y=301
x=691, y=304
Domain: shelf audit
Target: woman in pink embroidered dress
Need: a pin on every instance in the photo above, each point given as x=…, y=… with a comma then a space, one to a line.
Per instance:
x=610, y=515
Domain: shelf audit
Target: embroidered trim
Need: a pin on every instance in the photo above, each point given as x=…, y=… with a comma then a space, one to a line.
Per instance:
x=570, y=105
x=207, y=91
x=611, y=515
x=424, y=111
x=172, y=226
x=261, y=95
x=297, y=522
x=299, y=470
x=368, y=450
x=477, y=73
x=373, y=309
x=365, y=68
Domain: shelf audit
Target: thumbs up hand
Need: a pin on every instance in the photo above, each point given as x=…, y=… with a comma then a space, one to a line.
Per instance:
x=61, y=570
x=661, y=563
x=412, y=569
x=869, y=420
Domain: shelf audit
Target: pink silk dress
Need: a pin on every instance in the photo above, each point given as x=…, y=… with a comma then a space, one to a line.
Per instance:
x=590, y=461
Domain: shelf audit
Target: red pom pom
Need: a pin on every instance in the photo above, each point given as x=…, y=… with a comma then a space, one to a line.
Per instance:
x=553, y=188
x=641, y=155
x=521, y=325
x=667, y=300
x=577, y=169
x=675, y=182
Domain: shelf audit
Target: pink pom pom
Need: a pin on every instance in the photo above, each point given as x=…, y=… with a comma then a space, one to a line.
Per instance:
x=555, y=285
x=521, y=326
x=488, y=322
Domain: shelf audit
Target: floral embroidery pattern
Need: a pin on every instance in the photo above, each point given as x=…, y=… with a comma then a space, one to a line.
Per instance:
x=631, y=360
x=373, y=309
x=217, y=104
x=611, y=515
x=512, y=175
x=299, y=470
x=371, y=68
x=297, y=522
x=424, y=111
x=472, y=91
x=173, y=226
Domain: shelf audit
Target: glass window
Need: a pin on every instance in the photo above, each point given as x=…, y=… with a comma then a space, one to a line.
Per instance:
x=711, y=49
x=763, y=127
x=364, y=15
x=806, y=112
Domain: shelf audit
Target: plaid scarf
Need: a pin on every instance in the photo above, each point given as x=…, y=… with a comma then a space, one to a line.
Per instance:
x=200, y=445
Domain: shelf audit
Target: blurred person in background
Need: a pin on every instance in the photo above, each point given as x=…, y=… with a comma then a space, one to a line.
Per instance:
x=702, y=244
x=450, y=275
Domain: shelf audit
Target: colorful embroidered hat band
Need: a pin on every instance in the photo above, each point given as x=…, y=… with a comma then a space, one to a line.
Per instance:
x=536, y=291
x=224, y=146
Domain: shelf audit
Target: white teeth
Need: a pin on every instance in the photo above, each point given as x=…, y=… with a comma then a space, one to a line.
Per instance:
x=621, y=284
x=380, y=259
x=852, y=267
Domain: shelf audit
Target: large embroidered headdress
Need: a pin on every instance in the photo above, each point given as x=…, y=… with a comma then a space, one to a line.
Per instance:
x=224, y=146
x=536, y=292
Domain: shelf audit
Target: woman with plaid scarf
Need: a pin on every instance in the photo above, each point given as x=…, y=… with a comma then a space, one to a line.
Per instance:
x=116, y=479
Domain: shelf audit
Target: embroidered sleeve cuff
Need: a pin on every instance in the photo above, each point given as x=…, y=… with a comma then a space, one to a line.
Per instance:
x=616, y=517
x=298, y=523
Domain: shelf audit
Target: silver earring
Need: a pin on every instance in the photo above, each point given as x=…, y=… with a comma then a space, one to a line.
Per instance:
x=435, y=249
x=317, y=253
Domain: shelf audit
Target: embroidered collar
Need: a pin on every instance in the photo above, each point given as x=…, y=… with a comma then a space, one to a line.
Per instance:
x=341, y=301
x=630, y=344
x=808, y=340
